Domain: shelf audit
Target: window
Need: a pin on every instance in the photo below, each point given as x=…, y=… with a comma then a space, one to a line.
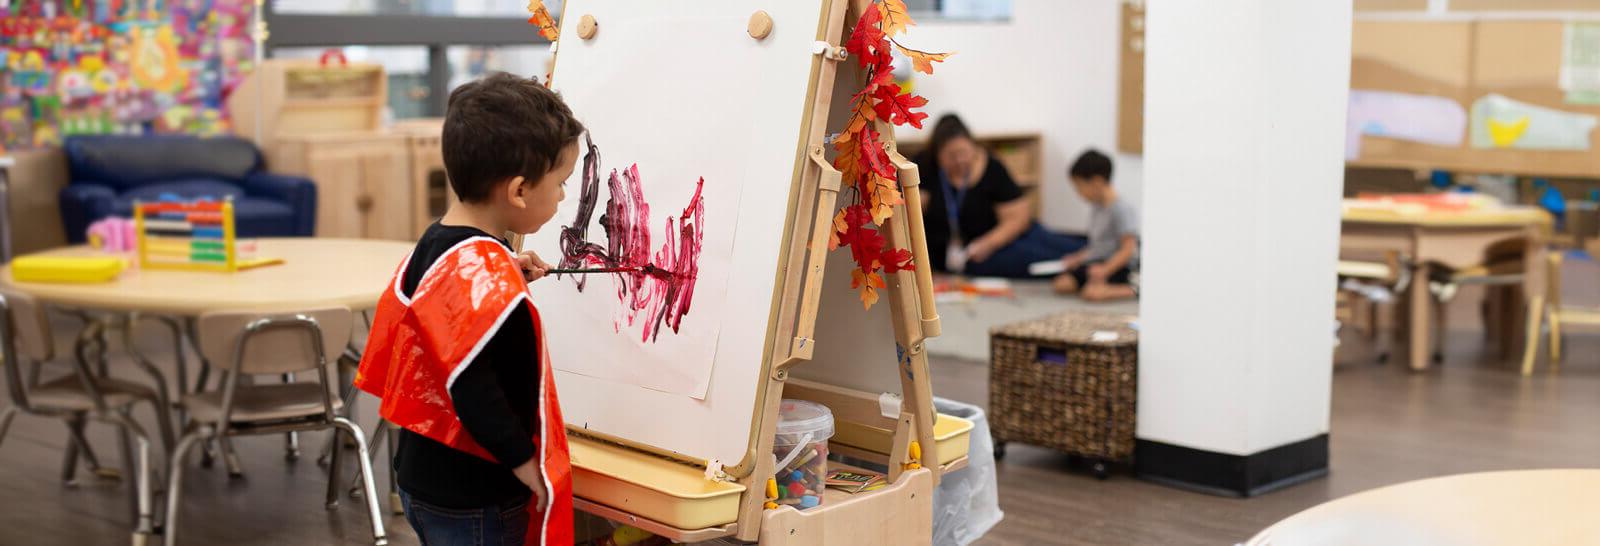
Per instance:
x=468, y=62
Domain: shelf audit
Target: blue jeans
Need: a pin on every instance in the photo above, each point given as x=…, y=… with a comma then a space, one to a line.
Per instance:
x=505, y=525
x=1035, y=245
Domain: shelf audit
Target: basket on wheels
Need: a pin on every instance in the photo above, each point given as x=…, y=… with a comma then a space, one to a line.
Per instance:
x=1067, y=382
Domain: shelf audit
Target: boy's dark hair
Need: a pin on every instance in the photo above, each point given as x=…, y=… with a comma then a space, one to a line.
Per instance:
x=503, y=126
x=948, y=128
x=1091, y=164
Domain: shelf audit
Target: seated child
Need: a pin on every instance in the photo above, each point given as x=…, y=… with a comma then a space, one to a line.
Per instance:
x=1100, y=271
x=456, y=352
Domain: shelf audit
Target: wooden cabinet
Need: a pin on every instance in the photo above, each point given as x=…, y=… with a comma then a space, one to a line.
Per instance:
x=429, y=186
x=363, y=181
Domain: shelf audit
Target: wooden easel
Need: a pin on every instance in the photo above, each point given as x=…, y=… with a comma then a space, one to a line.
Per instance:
x=623, y=481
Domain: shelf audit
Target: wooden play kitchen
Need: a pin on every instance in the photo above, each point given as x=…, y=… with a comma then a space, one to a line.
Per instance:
x=819, y=354
x=324, y=120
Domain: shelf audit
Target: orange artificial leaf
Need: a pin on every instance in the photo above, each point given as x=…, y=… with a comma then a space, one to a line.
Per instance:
x=840, y=227
x=922, y=61
x=867, y=283
x=895, y=16
x=848, y=161
x=883, y=198
x=541, y=18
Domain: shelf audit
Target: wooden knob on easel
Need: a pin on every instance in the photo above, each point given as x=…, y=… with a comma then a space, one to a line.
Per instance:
x=587, y=27
x=760, y=25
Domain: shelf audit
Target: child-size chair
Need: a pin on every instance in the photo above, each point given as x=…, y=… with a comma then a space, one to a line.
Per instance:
x=1558, y=314
x=271, y=344
x=76, y=398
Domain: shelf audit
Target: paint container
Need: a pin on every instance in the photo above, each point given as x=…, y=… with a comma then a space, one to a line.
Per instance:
x=802, y=452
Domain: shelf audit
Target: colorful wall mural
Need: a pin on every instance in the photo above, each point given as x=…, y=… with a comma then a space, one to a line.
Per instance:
x=119, y=67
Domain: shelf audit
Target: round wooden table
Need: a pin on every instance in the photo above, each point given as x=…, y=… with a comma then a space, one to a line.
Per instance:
x=315, y=273
x=1545, y=507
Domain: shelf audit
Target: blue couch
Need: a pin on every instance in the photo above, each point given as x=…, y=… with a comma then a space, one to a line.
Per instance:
x=108, y=173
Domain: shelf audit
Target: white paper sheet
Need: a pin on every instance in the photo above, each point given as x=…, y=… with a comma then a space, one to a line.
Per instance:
x=1440, y=121
x=673, y=147
x=1501, y=122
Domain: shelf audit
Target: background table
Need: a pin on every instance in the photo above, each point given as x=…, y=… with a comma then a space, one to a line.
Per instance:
x=1546, y=507
x=315, y=272
x=1453, y=239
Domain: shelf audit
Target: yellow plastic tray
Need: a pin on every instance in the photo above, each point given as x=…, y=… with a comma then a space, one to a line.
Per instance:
x=953, y=435
x=651, y=487
x=61, y=269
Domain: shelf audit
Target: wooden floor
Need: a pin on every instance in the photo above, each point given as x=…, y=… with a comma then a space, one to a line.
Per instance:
x=1388, y=425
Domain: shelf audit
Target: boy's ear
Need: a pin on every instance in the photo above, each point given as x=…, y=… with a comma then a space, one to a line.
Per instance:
x=517, y=192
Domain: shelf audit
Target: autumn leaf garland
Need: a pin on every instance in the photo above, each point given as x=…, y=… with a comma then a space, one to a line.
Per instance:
x=541, y=19
x=862, y=155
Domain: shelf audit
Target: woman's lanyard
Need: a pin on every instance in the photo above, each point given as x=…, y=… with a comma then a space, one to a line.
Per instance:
x=952, y=201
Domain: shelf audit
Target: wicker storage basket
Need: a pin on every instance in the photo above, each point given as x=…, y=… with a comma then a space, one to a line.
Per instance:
x=1067, y=382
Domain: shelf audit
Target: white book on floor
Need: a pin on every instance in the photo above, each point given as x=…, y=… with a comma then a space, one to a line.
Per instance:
x=1047, y=267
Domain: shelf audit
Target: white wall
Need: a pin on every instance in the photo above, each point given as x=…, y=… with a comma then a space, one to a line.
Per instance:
x=1053, y=70
x=1245, y=112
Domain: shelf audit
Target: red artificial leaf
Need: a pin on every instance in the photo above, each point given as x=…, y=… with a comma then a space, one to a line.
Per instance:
x=895, y=260
x=840, y=229
x=867, y=40
x=865, y=244
x=895, y=16
x=897, y=108
x=541, y=18
x=874, y=156
x=922, y=61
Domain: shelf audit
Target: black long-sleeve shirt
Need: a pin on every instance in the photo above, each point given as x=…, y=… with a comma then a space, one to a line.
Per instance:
x=495, y=397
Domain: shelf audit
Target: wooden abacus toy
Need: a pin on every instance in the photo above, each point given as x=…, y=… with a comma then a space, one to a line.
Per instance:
x=194, y=235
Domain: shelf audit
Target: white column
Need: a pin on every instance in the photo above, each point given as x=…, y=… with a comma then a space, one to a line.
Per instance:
x=1244, y=143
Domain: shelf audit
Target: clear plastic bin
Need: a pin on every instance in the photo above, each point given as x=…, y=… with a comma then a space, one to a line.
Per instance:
x=802, y=452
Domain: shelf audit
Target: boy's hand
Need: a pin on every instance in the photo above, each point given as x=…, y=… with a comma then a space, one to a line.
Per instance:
x=1072, y=261
x=980, y=250
x=528, y=473
x=533, y=268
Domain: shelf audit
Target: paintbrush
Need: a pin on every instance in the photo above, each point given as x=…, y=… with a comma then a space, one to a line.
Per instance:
x=595, y=270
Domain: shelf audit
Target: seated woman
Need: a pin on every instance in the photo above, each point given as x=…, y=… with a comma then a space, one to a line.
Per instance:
x=976, y=219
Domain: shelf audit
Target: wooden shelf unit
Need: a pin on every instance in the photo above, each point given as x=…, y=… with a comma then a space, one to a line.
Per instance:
x=1022, y=153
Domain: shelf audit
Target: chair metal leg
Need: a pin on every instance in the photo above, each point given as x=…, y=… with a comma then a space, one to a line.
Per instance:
x=230, y=458
x=164, y=400
x=136, y=460
x=333, y=469
x=379, y=436
x=6, y=417
x=75, y=428
x=388, y=436
x=175, y=481
x=69, y=464
x=365, y=459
